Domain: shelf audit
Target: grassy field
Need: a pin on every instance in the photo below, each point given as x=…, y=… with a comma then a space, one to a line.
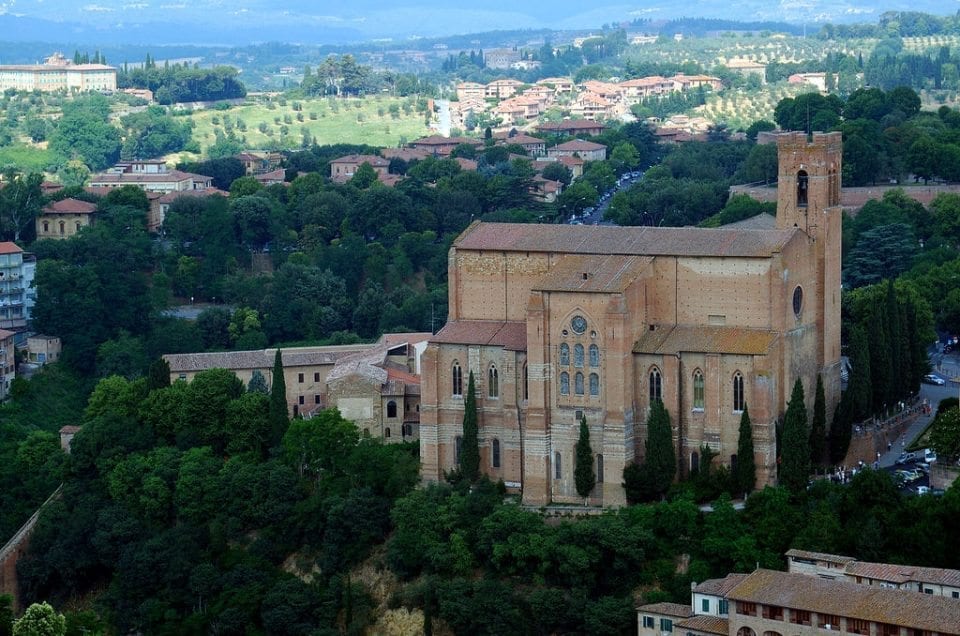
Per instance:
x=27, y=158
x=278, y=123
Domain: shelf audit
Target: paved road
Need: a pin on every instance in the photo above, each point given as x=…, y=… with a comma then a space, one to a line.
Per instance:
x=933, y=394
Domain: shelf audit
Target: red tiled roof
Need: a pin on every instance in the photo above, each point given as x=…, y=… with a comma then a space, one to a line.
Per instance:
x=373, y=160
x=571, y=124
x=640, y=241
x=511, y=335
x=707, y=624
x=152, y=177
x=593, y=273
x=903, y=573
x=405, y=376
x=4, y=334
x=819, y=556
x=170, y=197
x=7, y=247
x=579, y=145
x=70, y=206
x=895, y=607
x=667, y=609
x=674, y=339
x=719, y=587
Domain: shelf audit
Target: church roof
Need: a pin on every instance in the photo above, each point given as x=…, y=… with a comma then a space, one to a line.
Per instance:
x=509, y=334
x=762, y=221
x=673, y=339
x=639, y=241
x=593, y=273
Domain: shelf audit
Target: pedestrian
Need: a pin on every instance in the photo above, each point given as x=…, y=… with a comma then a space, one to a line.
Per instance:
x=889, y=445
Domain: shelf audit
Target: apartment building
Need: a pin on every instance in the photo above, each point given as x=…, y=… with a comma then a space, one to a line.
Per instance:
x=65, y=218
x=16, y=276
x=58, y=74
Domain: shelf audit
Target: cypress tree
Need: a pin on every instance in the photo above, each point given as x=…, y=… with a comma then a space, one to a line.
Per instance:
x=858, y=393
x=470, y=445
x=879, y=348
x=745, y=472
x=158, y=375
x=661, y=459
x=583, y=472
x=818, y=429
x=257, y=384
x=840, y=431
x=279, y=419
x=795, y=454
x=892, y=317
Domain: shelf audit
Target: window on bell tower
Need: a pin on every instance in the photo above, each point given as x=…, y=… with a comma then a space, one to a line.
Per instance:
x=802, y=186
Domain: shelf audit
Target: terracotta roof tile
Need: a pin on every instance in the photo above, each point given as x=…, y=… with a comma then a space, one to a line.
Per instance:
x=903, y=573
x=895, y=607
x=819, y=556
x=706, y=624
x=511, y=335
x=667, y=609
x=6, y=247
x=719, y=587
x=669, y=340
x=373, y=160
x=579, y=145
x=70, y=206
x=639, y=241
x=170, y=197
x=593, y=273
x=262, y=359
x=4, y=334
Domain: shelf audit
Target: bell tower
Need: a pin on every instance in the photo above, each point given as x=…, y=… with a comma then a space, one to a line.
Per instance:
x=808, y=198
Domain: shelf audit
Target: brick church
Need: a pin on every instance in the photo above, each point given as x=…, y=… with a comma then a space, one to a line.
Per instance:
x=559, y=321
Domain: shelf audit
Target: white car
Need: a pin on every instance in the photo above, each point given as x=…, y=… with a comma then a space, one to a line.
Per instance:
x=934, y=379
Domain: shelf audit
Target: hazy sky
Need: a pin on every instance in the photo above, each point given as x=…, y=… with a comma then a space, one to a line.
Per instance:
x=403, y=18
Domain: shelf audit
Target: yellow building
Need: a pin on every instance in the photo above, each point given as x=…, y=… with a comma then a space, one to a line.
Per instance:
x=65, y=218
x=561, y=322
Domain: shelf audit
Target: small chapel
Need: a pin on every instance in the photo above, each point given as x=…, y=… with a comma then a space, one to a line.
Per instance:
x=559, y=322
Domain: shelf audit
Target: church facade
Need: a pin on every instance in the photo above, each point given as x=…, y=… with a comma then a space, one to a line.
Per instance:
x=559, y=322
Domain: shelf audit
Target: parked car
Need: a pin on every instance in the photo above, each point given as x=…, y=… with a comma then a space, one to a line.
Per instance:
x=929, y=456
x=906, y=458
x=934, y=379
x=923, y=490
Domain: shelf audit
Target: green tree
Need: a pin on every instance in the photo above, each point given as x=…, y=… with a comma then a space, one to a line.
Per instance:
x=583, y=473
x=158, y=374
x=20, y=201
x=364, y=177
x=661, y=458
x=279, y=419
x=40, y=619
x=470, y=445
x=795, y=451
x=258, y=383
x=6, y=615
x=818, y=428
x=745, y=471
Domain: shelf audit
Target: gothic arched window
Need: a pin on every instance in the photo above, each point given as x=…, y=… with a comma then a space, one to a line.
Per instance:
x=457, y=379
x=496, y=453
x=564, y=383
x=493, y=382
x=594, y=384
x=738, y=397
x=802, y=186
x=578, y=383
x=594, y=355
x=578, y=356
x=391, y=409
x=656, y=385
x=698, y=390
x=564, y=354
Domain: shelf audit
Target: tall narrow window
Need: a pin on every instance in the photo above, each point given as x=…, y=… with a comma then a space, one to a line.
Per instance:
x=578, y=356
x=78, y=226
x=594, y=384
x=802, y=184
x=46, y=226
x=496, y=453
x=557, y=468
x=738, y=400
x=599, y=469
x=564, y=383
x=694, y=462
x=457, y=379
x=656, y=385
x=458, y=444
x=594, y=356
x=564, y=354
x=386, y=432
x=698, y=390
x=62, y=228
x=526, y=383
x=391, y=409
x=578, y=383
x=493, y=382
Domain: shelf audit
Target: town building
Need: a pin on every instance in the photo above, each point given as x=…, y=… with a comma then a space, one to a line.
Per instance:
x=58, y=74
x=65, y=218
x=502, y=89
x=936, y=581
x=16, y=277
x=500, y=58
x=772, y=603
x=572, y=127
x=748, y=68
x=440, y=146
x=559, y=323
x=376, y=386
x=151, y=175
x=342, y=169
x=8, y=363
x=586, y=150
x=534, y=146
x=42, y=349
x=817, y=80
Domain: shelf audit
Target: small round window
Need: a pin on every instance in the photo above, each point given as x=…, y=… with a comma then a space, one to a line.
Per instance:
x=797, y=300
